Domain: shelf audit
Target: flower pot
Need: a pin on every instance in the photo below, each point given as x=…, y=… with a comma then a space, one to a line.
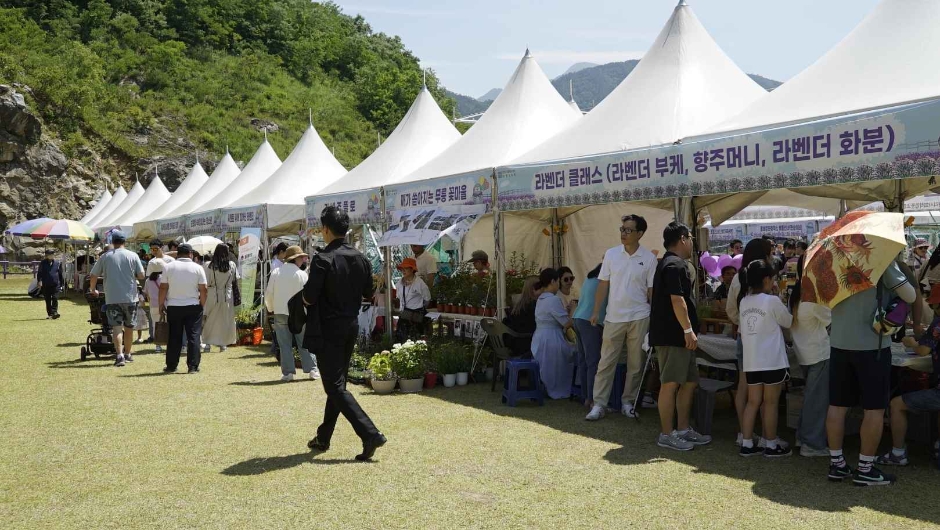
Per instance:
x=448, y=308
x=411, y=385
x=491, y=312
x=244, y=337
x=472, y=311
x=256, y=335
x=450, y=380
x=430, y=380
x=462, y=378
x=383, y=387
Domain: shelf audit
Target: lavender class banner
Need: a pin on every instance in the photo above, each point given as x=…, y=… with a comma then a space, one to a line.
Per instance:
x=424, y=226
x=463, y=189
x=898, y=142
x=364, y=207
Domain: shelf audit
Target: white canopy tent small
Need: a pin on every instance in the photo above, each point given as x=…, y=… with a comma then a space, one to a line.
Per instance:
x=100, y=203
x=194, y=181
x=154, y=197
x=116, y=199
x=222, y=177
x=261, y=166
x=132, y=197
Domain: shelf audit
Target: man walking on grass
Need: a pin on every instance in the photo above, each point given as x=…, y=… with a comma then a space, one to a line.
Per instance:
x=340, y=278
x=183, y=292
x=50, y=283
x=672, y=335
x=121, y=269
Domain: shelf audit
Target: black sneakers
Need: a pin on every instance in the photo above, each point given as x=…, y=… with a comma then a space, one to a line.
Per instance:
x=838, y=474
x=777, y=452
x=875, y=477
x=750, y=451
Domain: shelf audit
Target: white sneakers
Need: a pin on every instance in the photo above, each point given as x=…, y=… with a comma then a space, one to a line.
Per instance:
x=315, y=374
x=626, y=410
x=287, y=378
x=597, y=412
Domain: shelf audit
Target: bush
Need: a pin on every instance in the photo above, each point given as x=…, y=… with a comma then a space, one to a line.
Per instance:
x=409, y=359
x=380, y=367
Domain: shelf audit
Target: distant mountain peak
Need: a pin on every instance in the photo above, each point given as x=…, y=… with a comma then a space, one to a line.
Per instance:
x=577, y=67
x=491, y=95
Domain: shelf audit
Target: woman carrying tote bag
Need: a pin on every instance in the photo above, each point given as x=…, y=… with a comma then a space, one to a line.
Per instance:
x=221, y=275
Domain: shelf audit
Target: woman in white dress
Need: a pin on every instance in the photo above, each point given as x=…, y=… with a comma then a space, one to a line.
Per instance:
x=221, y=275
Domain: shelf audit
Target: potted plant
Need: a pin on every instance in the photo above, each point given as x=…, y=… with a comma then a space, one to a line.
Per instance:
x=246, y=323
x=464, y=360
x=383, y=377
x=449, y=362
x=408, y=362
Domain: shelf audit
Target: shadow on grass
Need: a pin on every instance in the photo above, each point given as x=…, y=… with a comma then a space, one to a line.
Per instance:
x=29, y=319
x=152, y=374
x=78, y=363
x=269, y=363
x=261, y=465
x=273, y=382
x=254, y=356
x=796, y=481
x=71, y=344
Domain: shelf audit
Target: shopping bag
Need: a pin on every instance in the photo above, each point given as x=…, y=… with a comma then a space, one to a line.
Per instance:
x=161, y=332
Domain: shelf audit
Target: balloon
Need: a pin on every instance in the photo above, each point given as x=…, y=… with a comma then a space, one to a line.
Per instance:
x=704, y=255
x=710, y=265
x=736, y=261
x=724, y=261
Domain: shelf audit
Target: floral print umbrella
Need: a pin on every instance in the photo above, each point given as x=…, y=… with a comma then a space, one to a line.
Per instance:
x=850, y=255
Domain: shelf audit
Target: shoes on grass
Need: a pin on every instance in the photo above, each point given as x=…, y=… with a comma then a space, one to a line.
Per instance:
x=119, y=361
x=695, y=438
x=315, y=373
x=674, y=442
x=875, y=477
x=891, y=459
x=597, y=412
x=287, y=378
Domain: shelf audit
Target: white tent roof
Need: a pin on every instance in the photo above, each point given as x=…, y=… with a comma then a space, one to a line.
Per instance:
x=112, y=205
x=526, y=112
x=100, y=203
x=132, y=197
x=422, y=134
x=193, y=182
x=684, y=84
x=154, y=197
x=309, y=168
x=889, y=58
x=264, y=162
x=222, y=177
x=574, y=106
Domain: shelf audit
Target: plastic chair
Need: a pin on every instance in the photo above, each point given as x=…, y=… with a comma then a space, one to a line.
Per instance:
x=495, y=330
x=511, y=392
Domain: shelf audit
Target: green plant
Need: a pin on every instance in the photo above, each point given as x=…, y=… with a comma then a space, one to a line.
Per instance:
x=450, y=357
x=380, y=366
x=409, y=359
x=247, y=317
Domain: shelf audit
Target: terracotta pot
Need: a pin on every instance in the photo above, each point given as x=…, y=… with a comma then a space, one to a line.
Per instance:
x=411, y=385
x=256, y=335
x=473, y=310
x=430, y=380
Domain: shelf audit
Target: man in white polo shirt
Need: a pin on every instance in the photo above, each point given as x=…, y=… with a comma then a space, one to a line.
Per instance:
x=626, y=282
x=183, y=295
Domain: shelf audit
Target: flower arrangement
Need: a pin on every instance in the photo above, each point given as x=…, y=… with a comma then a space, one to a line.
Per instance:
x=408, y=360
x=380, y=367
x=247, y=317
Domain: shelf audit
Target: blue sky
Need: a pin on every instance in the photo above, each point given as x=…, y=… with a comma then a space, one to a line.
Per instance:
x=474, y=46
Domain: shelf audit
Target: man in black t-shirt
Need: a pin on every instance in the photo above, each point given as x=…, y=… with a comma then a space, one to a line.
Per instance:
x=673, y=322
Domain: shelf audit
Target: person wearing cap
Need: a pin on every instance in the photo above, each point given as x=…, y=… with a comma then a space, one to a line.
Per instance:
x=219, y=327
x=183, y=294
x=427, y=265
x=480, y=261
x=156, y=249
x=918, y=259
x=413, y=298
x=121, y=270
x=286, y=281
x=50, y=282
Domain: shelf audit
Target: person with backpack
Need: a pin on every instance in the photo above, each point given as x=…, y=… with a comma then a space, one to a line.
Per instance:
x=286, y=281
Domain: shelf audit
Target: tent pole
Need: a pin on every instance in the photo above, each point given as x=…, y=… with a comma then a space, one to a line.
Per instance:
x=387, y=272
x=265, y=266
x=499, y=236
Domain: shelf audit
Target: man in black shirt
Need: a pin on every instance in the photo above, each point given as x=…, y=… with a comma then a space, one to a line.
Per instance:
x=340, y=277
x=51, y=281
x=672, y=333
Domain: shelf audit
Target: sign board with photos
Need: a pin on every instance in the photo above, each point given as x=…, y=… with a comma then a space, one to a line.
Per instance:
x=424, y=226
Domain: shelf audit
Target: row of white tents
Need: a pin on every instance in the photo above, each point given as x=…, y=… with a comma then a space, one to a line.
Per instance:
x=684, y=90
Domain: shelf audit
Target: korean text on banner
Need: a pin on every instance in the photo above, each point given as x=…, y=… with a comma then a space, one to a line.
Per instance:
x=363, y=207
x=424, y=226
x=249, y=245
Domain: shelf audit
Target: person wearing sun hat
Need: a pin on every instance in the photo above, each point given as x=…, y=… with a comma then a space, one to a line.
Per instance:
x=918, y=259
x=286, y=281
x=413, y=298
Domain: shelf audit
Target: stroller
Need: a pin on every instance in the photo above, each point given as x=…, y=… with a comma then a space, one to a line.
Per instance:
x=99, y=341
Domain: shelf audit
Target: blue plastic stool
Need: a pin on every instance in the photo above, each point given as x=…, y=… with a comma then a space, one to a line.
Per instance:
x=511, y=392
x=615, y=400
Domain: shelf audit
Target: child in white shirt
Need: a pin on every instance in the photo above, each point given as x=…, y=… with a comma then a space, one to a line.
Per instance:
x=762, y=315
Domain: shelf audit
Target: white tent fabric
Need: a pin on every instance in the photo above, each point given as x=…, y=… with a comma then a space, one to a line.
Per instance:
x=684, y=84
x=528, y=111
x=725, y=209
x=154, y=197
x=262, y=165
x=422, y=134
x=100, y=203
x=112, y=205
x=132, y=197
x=574, y=106
x=222, y=177
x=193, y=182
x=887, y=59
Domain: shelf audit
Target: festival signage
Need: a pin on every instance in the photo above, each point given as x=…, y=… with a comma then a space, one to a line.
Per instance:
x=244, y=217
x=889, y=143
x=363, y=207
x=171, y=227
x=783, y=230
x=204, y=223
x=725, y=233
x=249, y=245
x=424, y=226
x=467, y=188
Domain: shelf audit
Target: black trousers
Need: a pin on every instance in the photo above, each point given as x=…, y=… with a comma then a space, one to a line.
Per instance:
x=184, y=322
x=51, y=294
x=339, y=339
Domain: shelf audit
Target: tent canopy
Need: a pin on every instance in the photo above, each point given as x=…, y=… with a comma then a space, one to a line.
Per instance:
x=886, y=60
x=222, y=177
x=100, y=204
x=262, y=165
x=132, y=197
x=119, y=195
x=193, y=182
x=684, y=84
x=155, y=196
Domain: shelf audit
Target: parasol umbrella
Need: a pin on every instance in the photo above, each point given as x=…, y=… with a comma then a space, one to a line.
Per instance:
x=204, y=244
x=18, y=230
x=850, y=255
x=61, y=229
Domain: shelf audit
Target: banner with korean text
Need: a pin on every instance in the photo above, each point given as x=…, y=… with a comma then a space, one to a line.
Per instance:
x=898, y=142
x=424, y=226
x=799, y=230
x=249, y=246
x=245, y=217
x=364, y=207
x=466, y=188
x=204, y=223
x=171, y=228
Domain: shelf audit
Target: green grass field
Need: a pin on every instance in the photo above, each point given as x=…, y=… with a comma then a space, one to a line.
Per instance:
x=87, y=445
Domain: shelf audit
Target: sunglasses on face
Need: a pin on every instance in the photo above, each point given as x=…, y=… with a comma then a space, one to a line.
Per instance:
x=568, y=279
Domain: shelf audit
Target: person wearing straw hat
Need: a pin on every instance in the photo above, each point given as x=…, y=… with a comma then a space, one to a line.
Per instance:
x=413, y=298
x=918, y=259
x=50, y=283
x=286, y=281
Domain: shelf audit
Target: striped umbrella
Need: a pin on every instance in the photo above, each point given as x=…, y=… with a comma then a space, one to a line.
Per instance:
x=22, y=228
x=60, y=229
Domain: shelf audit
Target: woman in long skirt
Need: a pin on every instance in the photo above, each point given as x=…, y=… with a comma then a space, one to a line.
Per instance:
x=553, y=352
x=221, y=275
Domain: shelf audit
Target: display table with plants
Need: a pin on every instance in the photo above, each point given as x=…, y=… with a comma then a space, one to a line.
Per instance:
x=248, y=326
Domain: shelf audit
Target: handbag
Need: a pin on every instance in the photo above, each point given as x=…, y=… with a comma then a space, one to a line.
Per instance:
x=412, y=315
x=161, y=331
x=236, y=293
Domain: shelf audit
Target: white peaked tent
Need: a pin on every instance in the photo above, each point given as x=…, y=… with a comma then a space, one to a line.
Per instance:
x=112, y=205
x=888, y=59
x=100, y=203
x=191, y=185
x=222, y=177
x=262, y=164
x=574, y=106
x=421, y=135
x=154, y=197
x=309, y=168
x=132, y=197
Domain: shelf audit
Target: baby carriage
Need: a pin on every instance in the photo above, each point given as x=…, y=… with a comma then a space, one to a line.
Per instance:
x=99, y=341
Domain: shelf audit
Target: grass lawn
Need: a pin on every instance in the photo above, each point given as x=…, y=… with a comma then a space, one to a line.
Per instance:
x=87, y=445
